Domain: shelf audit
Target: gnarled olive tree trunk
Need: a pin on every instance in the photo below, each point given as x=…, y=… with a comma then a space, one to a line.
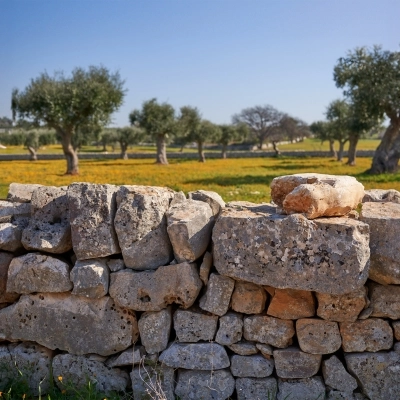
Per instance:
x=353, y=140
x=124, y=151
x=332, y=151
x=202, y=157
x=33, y=153
x=341, y=150
x=161, y=149
x=224, y=152
x=276, y=149
x=69, y=152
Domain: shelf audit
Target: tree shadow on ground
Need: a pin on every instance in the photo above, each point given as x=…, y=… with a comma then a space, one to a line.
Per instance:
x=224, y=180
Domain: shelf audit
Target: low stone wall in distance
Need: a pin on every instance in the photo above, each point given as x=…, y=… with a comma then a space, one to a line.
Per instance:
x=146, y=290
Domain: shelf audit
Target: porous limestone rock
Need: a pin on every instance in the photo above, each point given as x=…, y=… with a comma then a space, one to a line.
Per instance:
x=78, y=371
x=205, y=267
x=155, y=290
x=341, y=308
x=317, y=336
x=304, y=389
x=132, y=356
x=372, y=334
x=71, y=323
x=204, y=385
x=91, y=278
x=11, y=234
x=291, y=304
x=256, y=388
x=200, y=356
x=244, y=348
x=218, y=294
x=154, y=329
x=190, y=225
x=381, y=195
x=141, y=226
x=213, y=199
x=49, y=229
x=21, y=192
x=115, y=264
x=92, y=210
x=317, y=195
x=385, y=300
x=377, y=373
x=255, y=366
x=35, y=272
x=191, y=326
x=9, y=210
x=248, y=298
x=384, y=223
x=5, y=297
x=336, y=376
x=328, y=255
x=269, y=330
x=230, y=329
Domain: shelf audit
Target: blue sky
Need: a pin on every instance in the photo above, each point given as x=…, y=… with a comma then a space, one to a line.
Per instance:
x=218, y=55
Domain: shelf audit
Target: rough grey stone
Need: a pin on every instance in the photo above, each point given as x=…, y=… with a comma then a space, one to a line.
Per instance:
x=248, y=298
x=269, y=330
x=190, y=225
x=253, y=243
x=11, y=234
x=337, y=395
x=90, y=278
x=256, y=388
x=92, y=210
x=115, y=264
x=218, y=294
x=230, y=329
x=377, y=373
x=303, y=389
x=141, y=226
x=396, y=329
x=385, y=300
x=49, y=229
x=154, y=329
x=5, y=297
x=201, y=356
x=384, y=223
x=366, y=313
x=128, y=357
x=35, y=272
x=255, y=366
x=9, y=211
x=336, y=376
x=244, y=348
x=205, y=385
x=381, y=195
x=265, y=349
x=191, y=326
x=72, y=323
x=292, y=363
x=213, y=199
x=77, y=371
x=155, y=290
x=205, y=267
x=21, y=192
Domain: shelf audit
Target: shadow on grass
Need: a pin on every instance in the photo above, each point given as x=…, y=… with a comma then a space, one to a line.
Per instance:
x=234, y=180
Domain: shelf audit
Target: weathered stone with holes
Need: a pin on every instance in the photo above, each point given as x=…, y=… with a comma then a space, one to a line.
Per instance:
x=341, y=308
x=204, y=385
x=269, y=330
x=154, y=329
x=256, y=388
x=92, y=210
x=5, y=297
x=190, y=225
x=255, y=366
x=377, y=373
x=21, y=192
x=9, y=211
x=248, y=298
x=77, y=371
x=372, y=334
x=91, y=278
x=243, y=348
x=304, y=389
x=115, y=264
x=381, y=195
x=191, y=326
x=153, y=382
x=292, y=363
x=201, y=356
x=292, y=304
x=213, y=199
x=384, y=222
x=317, y=195
x=385, y=300
x=205, y=267
x=11, y=234
x=218, y=294
x=128, y=357
x=49, y=229
x=141, y=226
x=35, y=272
x=155, y=290
x=230, y=329
x=72, y=323
x=336, y=376
x=317, y=336
x=329, y=255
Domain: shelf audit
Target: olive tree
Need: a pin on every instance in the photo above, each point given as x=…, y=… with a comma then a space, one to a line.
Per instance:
x=69, y=104
x=231, y=133
x=126, y=137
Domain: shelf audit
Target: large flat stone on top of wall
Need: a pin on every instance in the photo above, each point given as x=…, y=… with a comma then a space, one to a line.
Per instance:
x=155, y=290
x=21, y=192
x=49, y=229
x=141, y=226
x=35, y=272
x=303, y=389
x=213, y=199
x=72, y=323
x=317, y=195
x=384, y=222
x=378, y=373
x=92, y=210
x=256, y=388
x=5, y=260
x=381, y=195
x=385, y=300
x=329, y=255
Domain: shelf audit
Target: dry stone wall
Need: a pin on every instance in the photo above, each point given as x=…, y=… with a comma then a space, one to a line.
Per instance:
x=145, y=290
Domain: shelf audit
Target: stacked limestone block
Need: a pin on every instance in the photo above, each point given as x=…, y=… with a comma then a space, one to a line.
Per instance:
x=142, y=289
